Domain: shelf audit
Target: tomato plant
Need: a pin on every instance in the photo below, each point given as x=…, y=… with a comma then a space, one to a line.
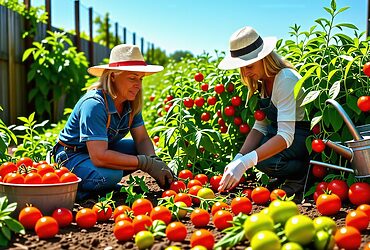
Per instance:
x=188, y=102
x=236, y=101
x=219, y=88
x=340, y=188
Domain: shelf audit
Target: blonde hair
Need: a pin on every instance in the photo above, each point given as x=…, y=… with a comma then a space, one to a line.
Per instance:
x=105, y=83
x=272, y=64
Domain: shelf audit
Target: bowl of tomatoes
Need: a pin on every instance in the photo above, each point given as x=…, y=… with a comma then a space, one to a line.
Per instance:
x=45, y=186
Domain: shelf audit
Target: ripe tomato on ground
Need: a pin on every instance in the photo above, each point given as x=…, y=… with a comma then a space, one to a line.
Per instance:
x=328, y=204
x=185, y=174
x=194, y=191
x=218, y=206
x=46, y=227
x=300, y=229
x=200, y=217
x=142, y=206
x=206, y=193
x=141, y=223
x=364, y=208
x=120, y=210
x=144, y=240
x=318, y=145
x=193, y=183
x=86, y=218
x=202, y=237
x=123, y=230
x=168, y=193
x=28, y=217
x=161, y=213
x=260, y=195
x=359, y=193
x=103, y=211
x=63, y=216
x=124, y=216
x=184, y=198
x=277, y=193
x=241, y=205
x=177, y=186
x=176, y=231
x=348, y=238
x=215, y=182
x=222, y=219
x=357, y=219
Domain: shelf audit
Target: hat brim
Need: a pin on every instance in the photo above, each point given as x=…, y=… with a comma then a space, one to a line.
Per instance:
x=148, y=69
x=269, y=44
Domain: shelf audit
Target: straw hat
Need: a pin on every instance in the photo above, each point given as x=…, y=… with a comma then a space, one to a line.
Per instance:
x=247, y=47
x=128, y=58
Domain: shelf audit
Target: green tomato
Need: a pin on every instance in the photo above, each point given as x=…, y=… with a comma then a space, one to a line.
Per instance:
x=265, y=211
x=257, y=222
x=182, y=212
x=323, y=240
x=281, y=211
x=172, y=248
x=265, y=240
x=291, y=246
x=144, y=240
x=300, y=229
x=199, y=248
x=206, y=193
x=325, y=223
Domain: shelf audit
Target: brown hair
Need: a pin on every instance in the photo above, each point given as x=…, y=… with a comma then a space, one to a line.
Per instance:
x=272, y=64
x=105, y=83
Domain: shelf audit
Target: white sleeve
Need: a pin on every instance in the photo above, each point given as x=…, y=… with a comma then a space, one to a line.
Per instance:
x=286, y=130
x=261, y=126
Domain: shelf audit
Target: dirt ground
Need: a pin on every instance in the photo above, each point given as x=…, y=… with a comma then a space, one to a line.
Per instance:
x=101, y=235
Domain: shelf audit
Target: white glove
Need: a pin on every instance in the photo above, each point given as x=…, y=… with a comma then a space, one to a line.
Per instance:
x=235, y=170
x=237, y=156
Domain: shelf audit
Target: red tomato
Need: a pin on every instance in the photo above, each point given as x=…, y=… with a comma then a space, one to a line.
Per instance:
x=318, y=145
x=50, y=178
x=366, y=69
x=367, y=246
x=205, y=116
x=193, y=183
x=244, y=128
x=248, y=193
x=219, y=88
x=319, y=171
x=200, y=217
x=340, y=188
x=316, y=129
x=202, y=178
x=357, y=219
x=176, y=231
x=156, y=138
x=161, y=213
x=198, y=77
x=218, y=206
x=199, y=101
x=238, y=120
x=184, y=198
x=321, y=187
x=25, y=161
x=152, y=97
x=202, y=237
x=103, y=211
x=241, y=205
x=63, y=216
x=222, y=219
x=168, y=193
x=120, y=210
x=348, y=238
x=141, y=223
x=7, y=167
x=124, y=216
x=177, y=186
x=28, y=217
x=60, y=171
x=188, y=102
x=359, y=193
x=86, y=218
x=230, y=87
x=211, y=100
x=32, y=178
x=221, y=122
x=363, y=103
x=194, y=191
x=259, y=115
x=204, y=86
x=46, y=227
x=328, y=204
x=123, y=230
x=142, y=206
x=68, y=177
x=14, y=178
x=185, y=174
x=229, y=110
x=260, y=195
x=236, y=101
x=215, y=182
x=223, y=129
x=45, y=168
x=364, y=208
x=277, y=193
x=219, y=114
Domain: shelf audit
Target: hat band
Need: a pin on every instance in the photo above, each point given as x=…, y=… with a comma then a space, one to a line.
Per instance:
x=248, y=49
x=127, y=63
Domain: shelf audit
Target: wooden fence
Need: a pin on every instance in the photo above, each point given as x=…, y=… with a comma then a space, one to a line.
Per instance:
x=14, y=88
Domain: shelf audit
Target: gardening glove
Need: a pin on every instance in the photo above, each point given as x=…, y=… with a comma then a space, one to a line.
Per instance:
x=235, y=170
x=237, y=156
x=155, y=168
x=156, y=157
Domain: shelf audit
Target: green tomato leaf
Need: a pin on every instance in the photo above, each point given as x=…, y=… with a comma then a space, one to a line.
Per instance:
x=3, y=240
x=6, y=232
x=334, y=90
x=14, y=225
x=310, y=97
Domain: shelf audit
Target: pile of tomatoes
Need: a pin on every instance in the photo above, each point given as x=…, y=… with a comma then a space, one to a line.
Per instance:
x=26, y=171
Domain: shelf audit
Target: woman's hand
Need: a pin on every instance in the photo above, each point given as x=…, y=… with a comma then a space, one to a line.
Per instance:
x=235, y=170
x=156, y=168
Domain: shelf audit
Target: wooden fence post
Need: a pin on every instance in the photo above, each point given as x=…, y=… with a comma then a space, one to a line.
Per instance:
x=91, y=40
x=48, y=10
x=134, y=38
x=107, y=30
x=77, y=25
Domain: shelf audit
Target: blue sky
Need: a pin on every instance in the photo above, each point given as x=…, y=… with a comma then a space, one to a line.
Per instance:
x=198, y=25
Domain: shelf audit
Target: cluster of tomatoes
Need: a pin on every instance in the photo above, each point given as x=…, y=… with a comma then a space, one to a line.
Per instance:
x=26, y=171
x=363, y=102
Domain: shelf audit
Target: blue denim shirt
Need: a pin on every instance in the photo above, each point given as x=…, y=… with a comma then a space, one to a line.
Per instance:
x=89, y=118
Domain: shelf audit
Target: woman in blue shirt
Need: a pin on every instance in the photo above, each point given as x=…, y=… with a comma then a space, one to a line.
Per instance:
x=92, y=142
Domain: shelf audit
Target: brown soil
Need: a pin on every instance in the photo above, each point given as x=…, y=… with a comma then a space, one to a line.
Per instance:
x=101, y=235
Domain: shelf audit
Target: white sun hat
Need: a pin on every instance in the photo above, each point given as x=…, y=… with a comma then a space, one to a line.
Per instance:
x=247, y=47
x=127, y=58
